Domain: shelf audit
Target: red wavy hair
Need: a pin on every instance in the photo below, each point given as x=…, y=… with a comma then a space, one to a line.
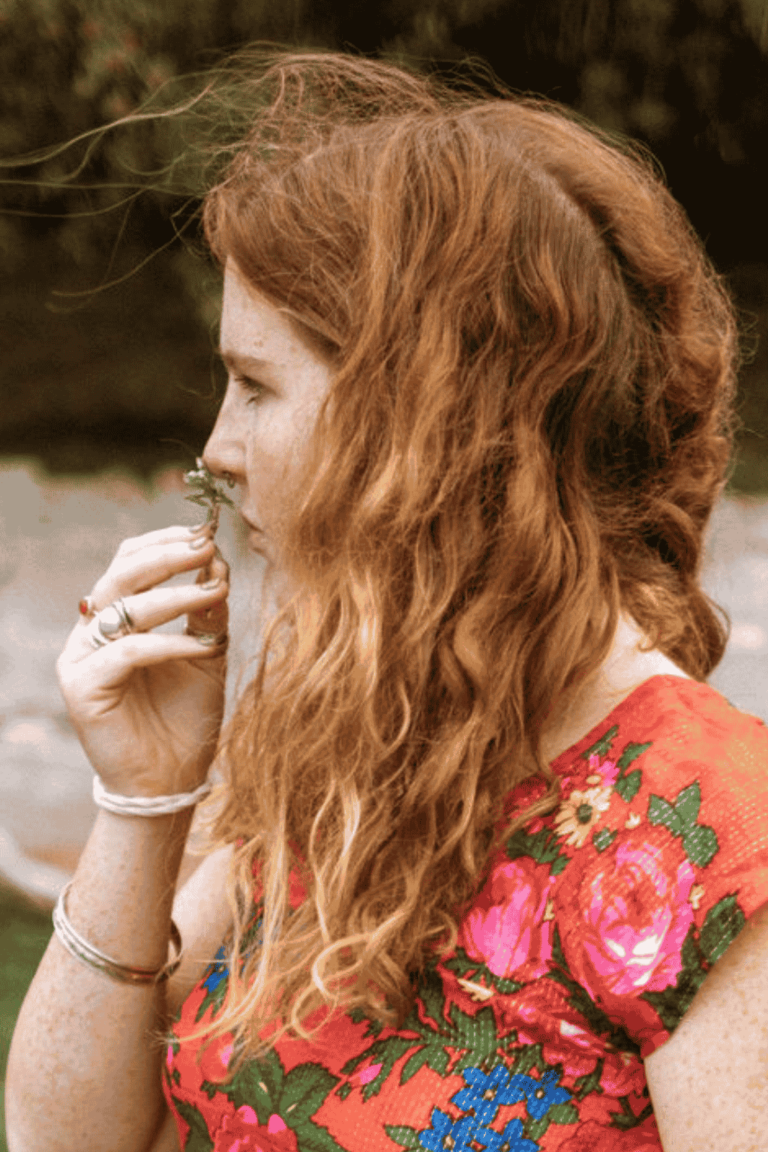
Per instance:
x=530, y=419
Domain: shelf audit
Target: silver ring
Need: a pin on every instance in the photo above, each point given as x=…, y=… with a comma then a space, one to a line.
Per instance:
x=110, y=624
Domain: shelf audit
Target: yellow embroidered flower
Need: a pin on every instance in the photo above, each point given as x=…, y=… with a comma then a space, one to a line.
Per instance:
x=579, y=814
x=633, y=820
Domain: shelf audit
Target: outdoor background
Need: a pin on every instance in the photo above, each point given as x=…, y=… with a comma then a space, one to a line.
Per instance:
x=108, y=380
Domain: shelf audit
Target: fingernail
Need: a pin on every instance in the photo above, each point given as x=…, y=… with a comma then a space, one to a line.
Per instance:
x=199, y=542
x=209, y=639
x=209, y=585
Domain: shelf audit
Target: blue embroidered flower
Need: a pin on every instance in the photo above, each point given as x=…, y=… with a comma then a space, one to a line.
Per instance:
x=219, y=971
x=487, y=1092
x=540, y=1095
x=448, y=1135
x=510, y=1140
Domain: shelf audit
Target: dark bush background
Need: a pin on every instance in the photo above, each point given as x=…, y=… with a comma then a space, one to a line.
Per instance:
x=108, y=314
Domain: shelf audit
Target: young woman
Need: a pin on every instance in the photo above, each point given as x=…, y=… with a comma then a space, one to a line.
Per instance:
x=489, y=869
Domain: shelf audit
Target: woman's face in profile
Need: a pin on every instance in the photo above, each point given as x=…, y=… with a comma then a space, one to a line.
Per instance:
x=276, y=385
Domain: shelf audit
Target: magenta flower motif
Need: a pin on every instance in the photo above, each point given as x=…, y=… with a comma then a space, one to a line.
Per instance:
x=632, y=913
x=506, y=928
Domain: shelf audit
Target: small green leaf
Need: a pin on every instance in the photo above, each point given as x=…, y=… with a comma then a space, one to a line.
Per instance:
x=660, y=811
x=408, y=1138
x=344, y=1091
x=631, y=753
x=629, y=786
x=590, y=1082
x=304, y=1090
x=723, y=924
x=700, y=845
x=563, y=1114
x=603, y=839
x=601, y=747
x=535, y=1129
x=688, y=803
x=198, y=1139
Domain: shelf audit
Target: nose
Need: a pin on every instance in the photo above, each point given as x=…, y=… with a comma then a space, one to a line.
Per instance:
x=224, y=453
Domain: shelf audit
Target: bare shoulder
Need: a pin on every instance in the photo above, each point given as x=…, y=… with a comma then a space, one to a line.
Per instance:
x=709, y=1082
x=201, y=912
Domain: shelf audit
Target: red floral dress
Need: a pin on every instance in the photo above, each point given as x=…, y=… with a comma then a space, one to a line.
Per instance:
x=593, y=930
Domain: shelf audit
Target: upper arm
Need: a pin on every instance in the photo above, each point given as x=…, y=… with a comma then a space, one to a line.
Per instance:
x=709, y=1081
x=202, y=914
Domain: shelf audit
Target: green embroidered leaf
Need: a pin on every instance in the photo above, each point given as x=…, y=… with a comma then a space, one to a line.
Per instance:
x=315, y=1138
x=468, y=969
x=721, y=927
x=590, y=1082
x=344, y=1091
x=529, y=1057
x=535, y=1129
x=673, y=1002
x=543, y=846
x=660, y=811
x=374, y=1028
x=601, y=747
x=563, y=1114
x=198, y=1139
x=559, y=865
x=699, y=840
x=700, y=845
x=630, y=754
x=688, y=803
x=388, y=1052
x=629, y=786
x=407, y=1137
x=432, y=1055
x=259, y=1083
x=430, y=993
x=603, y=839
x=304, y=1091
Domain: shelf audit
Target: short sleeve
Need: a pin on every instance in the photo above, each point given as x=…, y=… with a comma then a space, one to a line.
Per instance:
x=673, y=868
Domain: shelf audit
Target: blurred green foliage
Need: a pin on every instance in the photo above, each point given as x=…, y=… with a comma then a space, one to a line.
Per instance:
x=24, y=934
x=93, y=374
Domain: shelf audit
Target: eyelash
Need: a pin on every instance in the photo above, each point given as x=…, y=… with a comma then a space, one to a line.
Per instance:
x=249, y=385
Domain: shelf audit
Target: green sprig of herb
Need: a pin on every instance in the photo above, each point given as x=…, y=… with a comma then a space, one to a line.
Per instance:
x=206, y=492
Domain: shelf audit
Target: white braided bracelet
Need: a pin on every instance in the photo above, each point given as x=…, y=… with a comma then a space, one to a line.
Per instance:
x=147, y=805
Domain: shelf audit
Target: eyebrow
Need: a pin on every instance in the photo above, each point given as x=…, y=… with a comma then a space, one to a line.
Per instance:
x=235, y=359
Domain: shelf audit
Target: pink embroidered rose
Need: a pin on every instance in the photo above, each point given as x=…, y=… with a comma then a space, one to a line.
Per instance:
x=241, y=1132
x=506, y=928
x=625, y=913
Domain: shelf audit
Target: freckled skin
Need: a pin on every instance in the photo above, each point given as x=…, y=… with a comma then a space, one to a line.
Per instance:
x=276, y=385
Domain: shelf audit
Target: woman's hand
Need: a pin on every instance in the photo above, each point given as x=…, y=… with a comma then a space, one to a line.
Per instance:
x=147, y=707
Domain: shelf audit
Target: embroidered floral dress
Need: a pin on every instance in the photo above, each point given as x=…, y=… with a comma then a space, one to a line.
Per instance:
x=590, y=936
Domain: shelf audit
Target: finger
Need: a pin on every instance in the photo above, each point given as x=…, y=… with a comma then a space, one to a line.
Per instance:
x=134, y=572
x=111, y=665
x=158, y=606
x=173, y=534
x=214, y=615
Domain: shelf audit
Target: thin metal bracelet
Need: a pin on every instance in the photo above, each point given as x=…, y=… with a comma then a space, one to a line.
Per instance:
x=95, y=958
x=147, y=805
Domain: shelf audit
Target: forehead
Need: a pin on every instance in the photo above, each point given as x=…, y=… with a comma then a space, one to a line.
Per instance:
x=252, y=327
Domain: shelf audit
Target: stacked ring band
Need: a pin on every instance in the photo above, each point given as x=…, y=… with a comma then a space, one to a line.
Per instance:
x=110, y=624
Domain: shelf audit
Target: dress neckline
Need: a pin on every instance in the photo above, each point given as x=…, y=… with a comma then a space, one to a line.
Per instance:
x=564, y=758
